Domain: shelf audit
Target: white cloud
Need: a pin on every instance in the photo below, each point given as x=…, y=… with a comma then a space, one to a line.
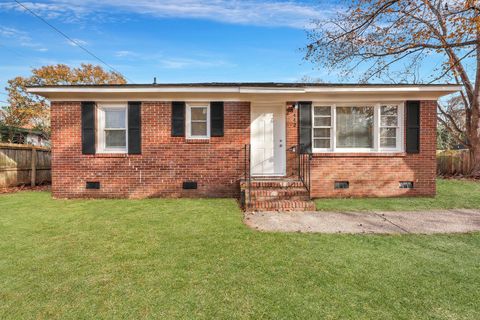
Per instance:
x=20, y=37
x=165, y=61
x=125, y=53
x=184, y=63
x=77, y=42
x=8, y=32
x=53, y=9
x=249, y=12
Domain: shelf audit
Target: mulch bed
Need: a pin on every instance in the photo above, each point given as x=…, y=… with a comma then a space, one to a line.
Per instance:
x=45, y=187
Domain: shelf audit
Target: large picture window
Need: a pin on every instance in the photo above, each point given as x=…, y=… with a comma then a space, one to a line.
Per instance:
x=354, y=127
x=112, y=131
x=357, y=128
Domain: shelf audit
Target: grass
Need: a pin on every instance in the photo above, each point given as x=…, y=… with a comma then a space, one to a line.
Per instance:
x=194, y=259
x=451, y=194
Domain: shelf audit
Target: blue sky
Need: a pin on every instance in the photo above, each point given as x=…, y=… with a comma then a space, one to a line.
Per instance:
x=174, y=40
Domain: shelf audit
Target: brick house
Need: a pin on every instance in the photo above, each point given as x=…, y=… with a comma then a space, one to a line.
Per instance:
x=277, y=144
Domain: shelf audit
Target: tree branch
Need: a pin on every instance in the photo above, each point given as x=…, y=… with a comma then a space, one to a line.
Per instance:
x=454, y=135
x=450, y=118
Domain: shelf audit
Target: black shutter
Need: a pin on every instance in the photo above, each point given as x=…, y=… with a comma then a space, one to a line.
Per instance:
x=216, y=118
x=88, y=127
x=305, y=127
x=134, y=128
x=413, y=127
x=178, y=119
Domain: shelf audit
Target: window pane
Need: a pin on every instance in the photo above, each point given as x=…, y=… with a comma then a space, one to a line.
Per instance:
x=389, y=110
x=199, y=113
x=115, y=138
x=355, y=127
x=321, y=143
x=388, y=132
x=321, y=111
x=115, y=118
x=388, y=142
x=389, y=121
x=321, y=133
x=199, y=128
x=322, y=122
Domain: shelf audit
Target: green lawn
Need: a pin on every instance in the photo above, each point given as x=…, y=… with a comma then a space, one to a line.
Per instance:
x=451, y=194
x=194, y=259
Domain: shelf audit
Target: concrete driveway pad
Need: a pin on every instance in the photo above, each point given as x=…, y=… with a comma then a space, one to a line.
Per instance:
x=422, y=222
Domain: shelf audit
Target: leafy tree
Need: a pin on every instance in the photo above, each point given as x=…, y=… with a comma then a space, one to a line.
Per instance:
x=29, y=110
x=390, y=39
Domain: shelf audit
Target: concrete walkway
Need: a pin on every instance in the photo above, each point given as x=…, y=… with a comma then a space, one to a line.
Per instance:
x=421, y=222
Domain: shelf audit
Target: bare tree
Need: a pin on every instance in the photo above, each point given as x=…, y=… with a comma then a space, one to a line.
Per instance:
x=390, y=39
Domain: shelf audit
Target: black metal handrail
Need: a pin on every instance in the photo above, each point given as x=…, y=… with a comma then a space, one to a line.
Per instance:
x=247, y=174
x=304, y=166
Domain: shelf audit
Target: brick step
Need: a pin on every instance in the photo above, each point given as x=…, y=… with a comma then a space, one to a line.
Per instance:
x=276, y=198
x=279, y=194
x=282, y=205
x=255, y=184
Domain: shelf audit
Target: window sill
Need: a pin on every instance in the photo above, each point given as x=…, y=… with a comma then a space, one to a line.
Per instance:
x=358, y=154
x=111, y=155
x=197, y=141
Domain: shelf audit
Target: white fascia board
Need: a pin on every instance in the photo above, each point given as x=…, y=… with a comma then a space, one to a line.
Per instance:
x=41, y=90
x=271, y=90
x=451, y=88
x=247, y=90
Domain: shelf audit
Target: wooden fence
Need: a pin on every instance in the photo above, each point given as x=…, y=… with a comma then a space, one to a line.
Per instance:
x=23, y=164
x=453, y=163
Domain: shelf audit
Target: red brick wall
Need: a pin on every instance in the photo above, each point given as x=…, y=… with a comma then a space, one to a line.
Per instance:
x=292, y=138
x=378, y=175
x=165, y=161
x=218, y=164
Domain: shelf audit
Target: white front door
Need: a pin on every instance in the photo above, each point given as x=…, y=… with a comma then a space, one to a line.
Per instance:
x=267, y=136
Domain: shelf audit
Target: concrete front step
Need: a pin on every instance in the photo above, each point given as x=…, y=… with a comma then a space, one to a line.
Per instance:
x=282, y=205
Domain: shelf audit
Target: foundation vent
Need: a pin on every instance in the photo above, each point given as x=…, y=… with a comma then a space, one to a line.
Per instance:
x=342, y=184
x=406, y=184
x=93, y=185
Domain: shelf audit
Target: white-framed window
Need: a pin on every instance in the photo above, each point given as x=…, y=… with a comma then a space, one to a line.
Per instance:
x=198, y=121
x=357, y=127
x=322, y=127
x=389, y=127
x=112, y=128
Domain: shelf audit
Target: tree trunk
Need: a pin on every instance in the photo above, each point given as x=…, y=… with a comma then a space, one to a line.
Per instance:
x=474, y=133
x=475, y=161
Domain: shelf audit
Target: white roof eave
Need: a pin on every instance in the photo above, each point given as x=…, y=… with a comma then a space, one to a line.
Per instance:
x=269, y=90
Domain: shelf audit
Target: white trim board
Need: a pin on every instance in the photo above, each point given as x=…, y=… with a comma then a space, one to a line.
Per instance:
x=246, y=89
